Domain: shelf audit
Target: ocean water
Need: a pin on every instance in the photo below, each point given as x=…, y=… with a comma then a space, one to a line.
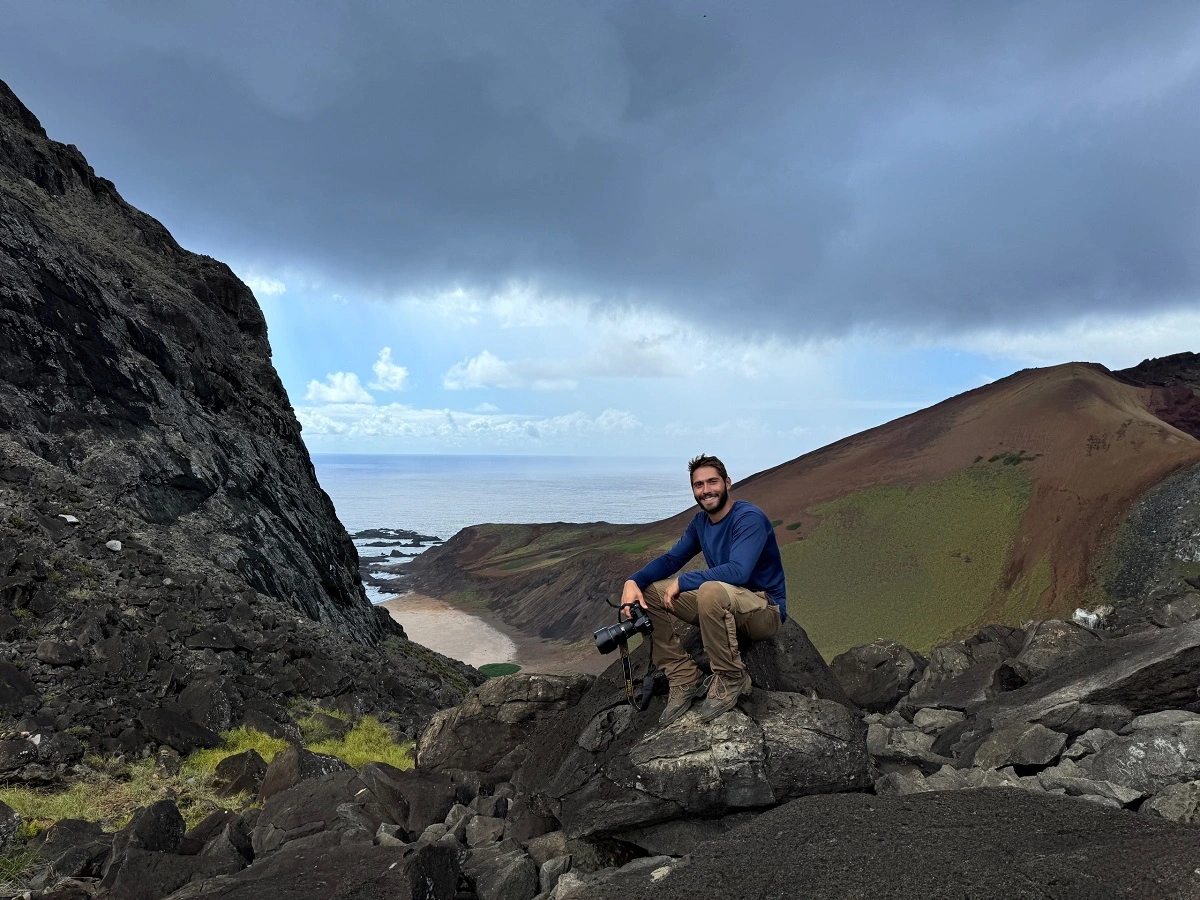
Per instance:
x=440, y=495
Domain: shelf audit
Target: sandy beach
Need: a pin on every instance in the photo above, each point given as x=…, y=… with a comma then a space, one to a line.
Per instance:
x=481, y=637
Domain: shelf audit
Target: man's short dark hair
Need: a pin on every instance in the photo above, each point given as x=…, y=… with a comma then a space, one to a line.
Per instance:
x=702, y=460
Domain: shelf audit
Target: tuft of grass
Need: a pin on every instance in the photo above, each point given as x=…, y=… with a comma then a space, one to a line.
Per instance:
x=314, y=731
x=775, y=523
x=239, y=740
x=16, y=866
x=111, y=796
x=368, y=741
x=892, y=561
x=496, y=670
x=794, y=526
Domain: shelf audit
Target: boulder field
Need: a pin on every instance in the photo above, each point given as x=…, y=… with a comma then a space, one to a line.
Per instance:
x=1082, y=781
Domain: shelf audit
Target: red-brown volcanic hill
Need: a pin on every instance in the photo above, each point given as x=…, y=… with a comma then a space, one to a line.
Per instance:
x=992, y=505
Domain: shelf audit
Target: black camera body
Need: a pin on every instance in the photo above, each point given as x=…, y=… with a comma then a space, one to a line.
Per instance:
x=610, y=637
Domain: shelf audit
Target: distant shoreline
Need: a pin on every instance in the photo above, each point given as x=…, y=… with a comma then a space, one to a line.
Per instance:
x=478, y=637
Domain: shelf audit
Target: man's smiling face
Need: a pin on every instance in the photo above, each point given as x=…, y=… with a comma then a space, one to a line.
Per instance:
x=710, y=489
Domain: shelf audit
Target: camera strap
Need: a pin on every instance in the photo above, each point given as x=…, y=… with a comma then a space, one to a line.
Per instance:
x=628, y=675
x=639, y=698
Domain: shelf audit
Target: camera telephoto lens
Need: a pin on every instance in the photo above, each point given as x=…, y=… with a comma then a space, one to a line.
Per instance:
x=610, y=637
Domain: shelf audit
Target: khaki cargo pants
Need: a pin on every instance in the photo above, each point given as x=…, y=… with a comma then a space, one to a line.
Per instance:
x=721, y=610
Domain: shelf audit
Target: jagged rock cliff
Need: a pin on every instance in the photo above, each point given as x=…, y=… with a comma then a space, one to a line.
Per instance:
x=169, y=566
x=143, y=372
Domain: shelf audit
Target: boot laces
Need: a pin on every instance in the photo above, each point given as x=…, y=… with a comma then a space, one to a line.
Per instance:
x=720, y=689
x=679, y=691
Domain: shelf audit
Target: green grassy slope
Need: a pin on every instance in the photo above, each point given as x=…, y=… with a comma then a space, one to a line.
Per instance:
x=912, y=564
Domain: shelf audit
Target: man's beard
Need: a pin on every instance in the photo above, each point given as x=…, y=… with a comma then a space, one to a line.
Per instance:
x=722, y=499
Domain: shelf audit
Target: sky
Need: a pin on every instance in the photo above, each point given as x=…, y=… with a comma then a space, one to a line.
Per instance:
x=646, y=228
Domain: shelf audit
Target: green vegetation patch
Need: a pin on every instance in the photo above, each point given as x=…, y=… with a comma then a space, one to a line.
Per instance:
x=1010, y=458
x=915, y=564
x=111, y=794
x=794, y=526
x=17, y=864
x=239, y=740
x=496, y=670
x=369, y=741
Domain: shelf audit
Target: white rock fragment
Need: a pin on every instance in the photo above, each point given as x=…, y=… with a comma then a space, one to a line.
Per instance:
x=70, y=520
x=114, y=546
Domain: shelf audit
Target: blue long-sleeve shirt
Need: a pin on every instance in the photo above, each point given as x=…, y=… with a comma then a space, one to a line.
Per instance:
x=740, y=550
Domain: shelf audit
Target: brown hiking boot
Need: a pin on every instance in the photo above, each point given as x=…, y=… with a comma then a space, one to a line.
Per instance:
x=679, y=701
x=723, y=695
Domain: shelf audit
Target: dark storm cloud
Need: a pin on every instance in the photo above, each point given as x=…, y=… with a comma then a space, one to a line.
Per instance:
x=808, y=168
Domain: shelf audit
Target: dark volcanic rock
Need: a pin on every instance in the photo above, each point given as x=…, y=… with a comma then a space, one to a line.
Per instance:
x=177, y=732
x=293, y=765
x=876, y=675
x=787, y=662
x=1143, y=672
x=10, y=821
x=495, y=720
x=336, y=801
x=161, y=527
x=1149, y=759
x=242, y=772
x=15, y=687
x=145, y=368
x=310, y=867
x=621, y=772
x=1047, y=645
x=59, y=653
x=73, y=848
x=412, y=800
x=983, y=844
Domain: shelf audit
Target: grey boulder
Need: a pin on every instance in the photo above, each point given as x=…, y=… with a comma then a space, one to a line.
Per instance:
x=777, y=746
x=1148, y=760
x=875, y=676
x=1175, y=802
x=486, y=732
x=1027, y=744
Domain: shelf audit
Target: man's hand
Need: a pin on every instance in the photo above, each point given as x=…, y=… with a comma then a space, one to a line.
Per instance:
x=670, y=594
x=631, y=595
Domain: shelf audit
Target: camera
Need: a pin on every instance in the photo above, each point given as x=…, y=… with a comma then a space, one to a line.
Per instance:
x=610, y=637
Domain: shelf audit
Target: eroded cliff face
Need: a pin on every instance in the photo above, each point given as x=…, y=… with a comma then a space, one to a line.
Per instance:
x=143, y=372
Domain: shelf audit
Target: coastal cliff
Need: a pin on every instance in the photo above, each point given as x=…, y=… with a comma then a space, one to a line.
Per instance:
x=143, y=371
x=169, y=566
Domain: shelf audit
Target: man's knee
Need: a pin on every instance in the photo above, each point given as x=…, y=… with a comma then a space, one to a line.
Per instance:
x=712, y=596
x=653, y=594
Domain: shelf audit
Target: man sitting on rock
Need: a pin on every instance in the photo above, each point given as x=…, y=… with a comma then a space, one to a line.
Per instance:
x=742, y=590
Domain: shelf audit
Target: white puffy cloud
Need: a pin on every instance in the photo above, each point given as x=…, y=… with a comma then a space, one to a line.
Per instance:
x=338, y=387
x=489, y=370
x=484, y=370
x=388, y=375
x=461, y=427
x=314, y=423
